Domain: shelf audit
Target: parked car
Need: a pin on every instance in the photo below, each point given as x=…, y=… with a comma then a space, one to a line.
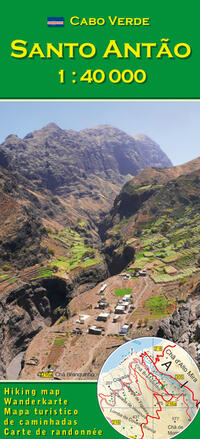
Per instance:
x=77, y=331
x=127, y=277
x=123, y=331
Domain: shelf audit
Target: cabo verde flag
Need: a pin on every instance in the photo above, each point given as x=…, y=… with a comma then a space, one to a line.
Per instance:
x=55, y=21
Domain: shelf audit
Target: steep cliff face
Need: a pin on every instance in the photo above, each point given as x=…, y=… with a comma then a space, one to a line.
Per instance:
x=91, y=164
x=184, y=325
x=21, y=228
x=32, y=306
x=152, y=154
x=25, y=311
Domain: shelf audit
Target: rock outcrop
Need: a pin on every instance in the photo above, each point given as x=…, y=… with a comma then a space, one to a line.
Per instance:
x=184, y=326
x=25, y=311
x=29, y=308
x=90, y=164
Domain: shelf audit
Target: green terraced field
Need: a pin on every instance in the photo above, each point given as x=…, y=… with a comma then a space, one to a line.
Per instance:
x=44, y=272
x=4, y=276
x=173, y=240
x=157, y=305
x=163, y=277
x=90, y=262
x=77, y=253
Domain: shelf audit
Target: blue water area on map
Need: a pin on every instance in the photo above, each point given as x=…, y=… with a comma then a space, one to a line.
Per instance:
x=123, y=351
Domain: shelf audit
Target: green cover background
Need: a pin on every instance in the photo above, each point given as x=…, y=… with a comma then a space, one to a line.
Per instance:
x=38, y=78
x=82, y=396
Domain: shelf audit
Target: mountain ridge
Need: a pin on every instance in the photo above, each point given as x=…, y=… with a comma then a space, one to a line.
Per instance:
x=66, y=162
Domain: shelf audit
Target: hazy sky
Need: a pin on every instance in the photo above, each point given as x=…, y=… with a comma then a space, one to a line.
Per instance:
x=174, y=126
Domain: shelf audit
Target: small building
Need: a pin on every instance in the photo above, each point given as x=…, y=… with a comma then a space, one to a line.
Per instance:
x=125, y=328
x=103, y=287
x=126, y=297
x=116, y=318
x=96, y=330
x=120, y=309
x=126, y=304
x=77, y=331
x=127, y=276
x=103, y=305
x=103, y=299
x=127, y=325
x=82, y=318
x=142, y=273
x=103, y=316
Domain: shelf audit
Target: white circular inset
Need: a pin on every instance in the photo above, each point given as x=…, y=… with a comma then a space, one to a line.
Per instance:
x=149, y=388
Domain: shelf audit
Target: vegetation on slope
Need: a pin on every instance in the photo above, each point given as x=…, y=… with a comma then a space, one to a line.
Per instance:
x=162, y=222
x=76, y=253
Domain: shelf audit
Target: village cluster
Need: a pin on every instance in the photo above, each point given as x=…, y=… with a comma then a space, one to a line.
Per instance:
x=117, y=314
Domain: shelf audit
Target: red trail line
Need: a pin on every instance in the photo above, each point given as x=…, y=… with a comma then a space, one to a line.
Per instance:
x=155, y=394
x=162, y=373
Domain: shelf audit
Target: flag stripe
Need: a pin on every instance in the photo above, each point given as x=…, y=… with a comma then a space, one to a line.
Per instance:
x=55, y=18
x=55, y=21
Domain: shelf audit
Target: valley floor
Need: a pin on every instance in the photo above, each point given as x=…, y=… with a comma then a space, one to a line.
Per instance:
x=69, y=355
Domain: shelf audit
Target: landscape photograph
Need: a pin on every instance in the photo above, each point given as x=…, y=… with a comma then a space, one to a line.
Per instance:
x=99, y=232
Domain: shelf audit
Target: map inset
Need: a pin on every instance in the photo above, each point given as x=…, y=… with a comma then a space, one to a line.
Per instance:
x=149, y=388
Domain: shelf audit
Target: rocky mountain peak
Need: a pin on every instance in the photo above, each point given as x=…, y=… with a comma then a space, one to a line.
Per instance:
x=12, y=137
x=105, y=129
x=52, y=125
